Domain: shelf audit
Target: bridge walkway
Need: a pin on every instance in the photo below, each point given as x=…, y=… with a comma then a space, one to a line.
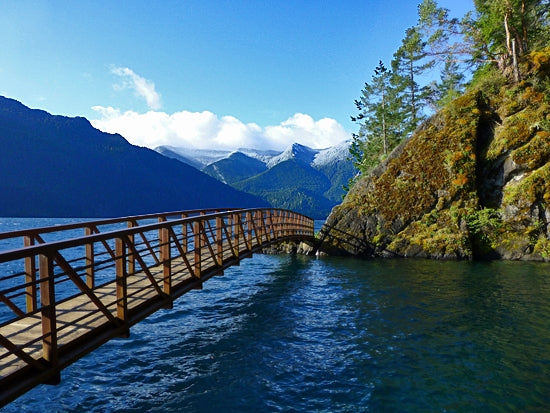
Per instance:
x=62, y=299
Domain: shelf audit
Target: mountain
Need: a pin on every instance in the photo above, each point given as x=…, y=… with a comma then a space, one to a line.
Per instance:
x=306, y=180
x=472, y=182
x=56, y=166
x=300, y=153
x=293, y=185
x=200, y=158
x=173, y=154
x=335, y=164
x=236, y=167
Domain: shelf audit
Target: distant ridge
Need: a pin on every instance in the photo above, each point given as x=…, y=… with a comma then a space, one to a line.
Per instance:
x=300, y=178
x=57, y=166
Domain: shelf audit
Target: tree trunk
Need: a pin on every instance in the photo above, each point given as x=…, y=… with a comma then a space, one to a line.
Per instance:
x=384, y=132
x=508, y=37
x=515, y=61
x=413, y=94
x=524, y=40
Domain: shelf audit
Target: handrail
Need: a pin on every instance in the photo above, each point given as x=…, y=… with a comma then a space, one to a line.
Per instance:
x=105, y=221
x=36, y=249
x=115, y=279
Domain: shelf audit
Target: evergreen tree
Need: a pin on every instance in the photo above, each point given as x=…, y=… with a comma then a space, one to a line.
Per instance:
x=438, y=30
x=408, y=64
x=449, y=87
x=379, y=120
x=393, y=104
x=502, y=31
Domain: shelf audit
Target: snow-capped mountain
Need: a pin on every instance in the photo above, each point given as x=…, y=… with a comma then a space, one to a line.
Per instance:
x=301, y=178
x=301, y=153
x=332, y=155
x=200, y=158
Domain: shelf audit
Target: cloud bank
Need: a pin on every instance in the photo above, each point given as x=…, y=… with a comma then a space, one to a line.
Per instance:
x=141, y=86
x=205, y=130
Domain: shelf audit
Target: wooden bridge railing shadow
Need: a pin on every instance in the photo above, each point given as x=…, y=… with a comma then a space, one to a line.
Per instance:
x=59, y=300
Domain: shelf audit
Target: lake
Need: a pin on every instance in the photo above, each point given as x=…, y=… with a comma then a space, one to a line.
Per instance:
x=330, y=334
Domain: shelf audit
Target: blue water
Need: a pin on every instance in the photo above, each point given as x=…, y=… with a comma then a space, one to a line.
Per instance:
x=283, y=333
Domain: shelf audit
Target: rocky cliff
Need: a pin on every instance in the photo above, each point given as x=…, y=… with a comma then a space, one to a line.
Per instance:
x=472, y=182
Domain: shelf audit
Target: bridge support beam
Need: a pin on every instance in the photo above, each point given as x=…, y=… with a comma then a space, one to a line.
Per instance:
x=121, y=286
x=48, y=315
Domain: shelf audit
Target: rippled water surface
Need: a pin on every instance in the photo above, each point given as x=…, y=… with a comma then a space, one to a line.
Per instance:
x=282, y=333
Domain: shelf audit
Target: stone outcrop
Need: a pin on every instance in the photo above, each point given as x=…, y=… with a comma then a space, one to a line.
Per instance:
x=289, y=247
x=472, y=182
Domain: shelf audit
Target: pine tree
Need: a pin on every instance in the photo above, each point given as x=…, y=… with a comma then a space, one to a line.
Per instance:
x=449, y=87
x=502, y=31
x=379, y=120
x=408, y=64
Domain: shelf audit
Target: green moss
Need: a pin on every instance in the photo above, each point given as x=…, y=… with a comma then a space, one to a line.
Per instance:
x=424, y=201
x=488, y=79
x=530, y=190
x=542, y=247
x=534, y=153
x=485, y=226
x=409, y=187
x=537, y=63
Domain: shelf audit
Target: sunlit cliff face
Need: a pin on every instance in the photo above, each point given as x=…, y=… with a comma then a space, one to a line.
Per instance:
x=473, y=181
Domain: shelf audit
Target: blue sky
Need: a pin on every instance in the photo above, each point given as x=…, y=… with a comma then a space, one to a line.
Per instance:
x=202, y=73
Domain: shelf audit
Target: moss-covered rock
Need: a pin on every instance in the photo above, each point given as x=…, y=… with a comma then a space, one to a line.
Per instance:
x=473, y=181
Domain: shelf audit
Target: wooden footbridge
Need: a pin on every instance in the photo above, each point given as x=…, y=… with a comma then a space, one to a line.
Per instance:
x=71, y=288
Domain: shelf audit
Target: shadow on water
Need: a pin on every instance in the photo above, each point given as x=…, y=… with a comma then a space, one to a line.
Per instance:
x=282, y=333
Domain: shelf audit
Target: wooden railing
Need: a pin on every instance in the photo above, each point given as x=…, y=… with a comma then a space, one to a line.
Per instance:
x=60, y=298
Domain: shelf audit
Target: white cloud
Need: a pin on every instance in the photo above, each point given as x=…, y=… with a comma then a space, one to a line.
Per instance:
x=143, y=87
x=205, y=130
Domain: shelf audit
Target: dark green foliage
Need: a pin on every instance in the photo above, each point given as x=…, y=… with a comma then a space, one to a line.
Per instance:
x=502, y=31
x=409, y=62
x=337, y=174
x=497, y=35
x=292, y=185
x=380, y=120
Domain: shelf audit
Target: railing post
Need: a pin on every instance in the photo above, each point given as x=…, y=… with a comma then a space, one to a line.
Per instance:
x=219, y=239
x=260, y=225
x=90, y=276
x=275, y=221
x=166, y=259
x=197, y=244
x=237, y=233
x=131, y=260
x=269, y=225
x=257, y=228
x=121, y=283
x=30, y=278
x=249, y=227
x=185, y=234
x=48, y=316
